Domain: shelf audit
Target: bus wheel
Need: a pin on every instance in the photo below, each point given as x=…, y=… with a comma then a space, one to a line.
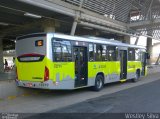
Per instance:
x=136, y=78
x=98, y=83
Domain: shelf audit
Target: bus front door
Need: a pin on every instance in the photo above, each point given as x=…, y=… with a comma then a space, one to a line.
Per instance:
x=144, y=63
x=80, y=57
x=123, y=64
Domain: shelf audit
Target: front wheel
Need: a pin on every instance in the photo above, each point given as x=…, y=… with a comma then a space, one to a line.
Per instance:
x=136, y=78
x=98, y=83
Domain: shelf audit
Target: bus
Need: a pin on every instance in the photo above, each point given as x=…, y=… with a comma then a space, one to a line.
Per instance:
x=63, y=62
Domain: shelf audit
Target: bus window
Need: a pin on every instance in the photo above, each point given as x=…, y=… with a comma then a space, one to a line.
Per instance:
x=62, y=51
x=104, y=53
x=99, y=50
x=131, y=54
x=112, y=54
x=95, y=51
x=91, y=52
x=137, y=55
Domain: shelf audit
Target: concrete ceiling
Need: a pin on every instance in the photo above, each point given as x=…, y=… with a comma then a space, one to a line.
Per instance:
x=13, y=22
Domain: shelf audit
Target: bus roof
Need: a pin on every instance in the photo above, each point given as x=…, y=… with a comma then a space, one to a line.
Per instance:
x=83, y=39
x=96, y=40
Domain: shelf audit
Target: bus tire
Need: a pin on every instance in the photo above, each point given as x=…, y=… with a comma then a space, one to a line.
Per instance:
x=99, y=83
x=137, y=76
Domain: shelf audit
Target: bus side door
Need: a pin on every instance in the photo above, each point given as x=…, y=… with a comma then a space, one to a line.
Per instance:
x=81, y=63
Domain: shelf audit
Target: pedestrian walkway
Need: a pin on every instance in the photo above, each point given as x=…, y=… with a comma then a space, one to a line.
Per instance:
x=153, y=69
x=8, y=75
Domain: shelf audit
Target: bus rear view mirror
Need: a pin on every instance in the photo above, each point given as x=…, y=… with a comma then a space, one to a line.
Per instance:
x=147, y=56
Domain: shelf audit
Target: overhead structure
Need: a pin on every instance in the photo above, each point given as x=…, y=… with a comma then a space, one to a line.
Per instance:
x=145, y=17
x=127, y=17
x=119, y=17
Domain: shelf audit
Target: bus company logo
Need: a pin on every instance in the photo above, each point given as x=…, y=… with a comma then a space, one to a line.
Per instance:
x=94, y=66
x=102, y=66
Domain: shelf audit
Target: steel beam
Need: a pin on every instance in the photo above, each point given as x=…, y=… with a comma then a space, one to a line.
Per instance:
x=105, y=28
x=86, y=16
x=143, y=24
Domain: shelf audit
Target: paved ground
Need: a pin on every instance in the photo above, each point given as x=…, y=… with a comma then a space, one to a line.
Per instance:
x=7, y=75
x=139, y=100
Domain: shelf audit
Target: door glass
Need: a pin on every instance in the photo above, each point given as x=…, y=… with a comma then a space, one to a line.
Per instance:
x=80, y=55
x=82, y=64
x=76, y=61
x=123, y=60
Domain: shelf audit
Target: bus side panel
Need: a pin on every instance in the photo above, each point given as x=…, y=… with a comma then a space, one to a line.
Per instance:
x=62, y=71
x=111, y=71
x=132, y=67
x=114, y=71
x=96, y=67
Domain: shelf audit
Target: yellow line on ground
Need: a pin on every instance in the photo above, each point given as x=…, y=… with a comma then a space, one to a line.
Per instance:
x=11, y=97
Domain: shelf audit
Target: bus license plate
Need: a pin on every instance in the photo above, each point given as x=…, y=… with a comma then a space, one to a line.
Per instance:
x=29, y=85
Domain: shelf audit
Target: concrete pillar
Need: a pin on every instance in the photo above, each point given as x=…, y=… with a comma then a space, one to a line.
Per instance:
x=1, y=57
x=74, y=26
x=149, y=49
x=126, y=39
x=50, y=25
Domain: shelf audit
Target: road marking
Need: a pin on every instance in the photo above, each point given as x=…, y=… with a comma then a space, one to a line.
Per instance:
x=108, y=108
x=11, y=97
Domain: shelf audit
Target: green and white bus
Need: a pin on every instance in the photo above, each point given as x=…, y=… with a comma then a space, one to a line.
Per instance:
x=57, y=61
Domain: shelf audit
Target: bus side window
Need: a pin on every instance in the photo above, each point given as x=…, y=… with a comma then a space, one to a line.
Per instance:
x=98, y=52
x=95, y=51
x=131, y=54
x=62, y=51
x=57, y=52
x=66, y=51
x=137, y=55
x=104, y=53
x=112, y=54
x=91, y=52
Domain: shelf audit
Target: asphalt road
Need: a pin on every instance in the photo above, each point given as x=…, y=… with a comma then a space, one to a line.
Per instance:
x=144, y=98
x=140, y=99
